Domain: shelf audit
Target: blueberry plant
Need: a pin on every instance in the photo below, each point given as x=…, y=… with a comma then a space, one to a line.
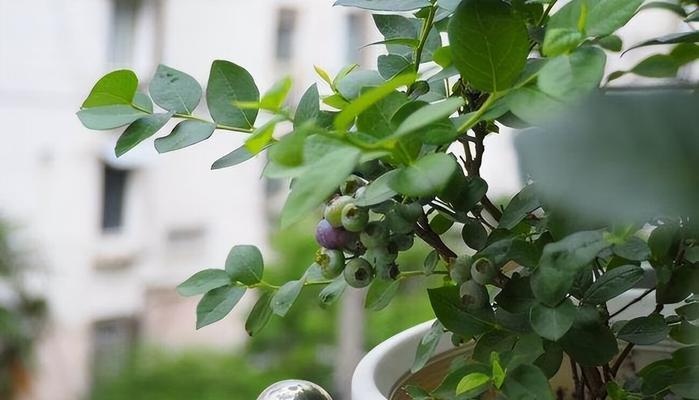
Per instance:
x=393, y=156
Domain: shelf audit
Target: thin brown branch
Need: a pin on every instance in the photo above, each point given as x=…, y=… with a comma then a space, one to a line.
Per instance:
x=621, y=358
x=579, y=388
x=492, y=209
x=632, y=302
x=432, y=239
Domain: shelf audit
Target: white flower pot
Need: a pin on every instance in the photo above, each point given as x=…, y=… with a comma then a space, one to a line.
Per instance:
x=383, y=370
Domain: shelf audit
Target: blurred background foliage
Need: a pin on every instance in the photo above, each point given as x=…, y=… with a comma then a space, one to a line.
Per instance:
x=300, y=345
x=21, y=317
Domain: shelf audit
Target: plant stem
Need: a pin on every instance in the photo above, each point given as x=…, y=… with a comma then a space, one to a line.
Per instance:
x=426, y=28
x=434, y=241
x=620, y=359
x=195, y=118
x=473, y=120
x=632, y=302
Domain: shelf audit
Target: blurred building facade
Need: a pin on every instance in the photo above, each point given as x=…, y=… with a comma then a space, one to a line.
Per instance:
x=115, y=236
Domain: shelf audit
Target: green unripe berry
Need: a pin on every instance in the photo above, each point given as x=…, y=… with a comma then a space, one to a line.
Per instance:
x=473, y=295
x=351, y=185
x=375, y=234
x=483, y=271
x=354, y=219
x=410, y=212
x=460, y=270
x=402, y=242
x=331, y=262
x=358, y=273
x=384, y=262
x=333, y=211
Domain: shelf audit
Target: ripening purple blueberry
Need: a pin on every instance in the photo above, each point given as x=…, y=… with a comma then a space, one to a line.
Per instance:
x=333, y=238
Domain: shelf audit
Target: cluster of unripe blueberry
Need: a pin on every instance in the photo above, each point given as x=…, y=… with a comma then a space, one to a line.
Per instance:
x=472, y=276
x=359, y=248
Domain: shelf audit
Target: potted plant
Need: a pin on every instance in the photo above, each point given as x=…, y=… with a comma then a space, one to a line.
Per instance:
x=394, y=155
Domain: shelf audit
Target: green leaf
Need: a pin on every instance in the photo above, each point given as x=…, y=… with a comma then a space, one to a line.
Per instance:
x=109, y=117
x=115, y=88
x=689, y=311
x=235, y=157
x=185, y=134
x=573, y=75
x=376, y=119
x=286, y=296
x=685, y=383
x=380, y=294
x=427, y=115
x=344, y=120
x=244, y=264
x=645, y=330
x=174, y=90
x=527, y=382
x=378, y=190
x=611, y=43
x=217, y=303
x=472, y=381
x=204, y=281
x=453, y=315
x=590, y=342
x=519, y=207
x=634, y=249
x=561, y=40
x=464, y=192
x=604, y=17
x=317, y=183
x=392, y=65
x=560, y=263
x=289, y=150
x=333, y=291
x=552, y=322
x=274, y=98
x=262, y=136
x=427, y=346
x=350, y=86
x=532, y=105
x=308, y=108
x=228, y=84
x=142, y=101
x=140, y=130
x=427, y=176
x=498, y=371
x=489, y=44
x=516, y=296
x=685, y=333
x=260, y=314
x=384, y=5
x=613, y=283
x=684, y=37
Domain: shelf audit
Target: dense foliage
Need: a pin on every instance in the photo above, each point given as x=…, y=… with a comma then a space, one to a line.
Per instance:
x=22, y=315
x=394, y=156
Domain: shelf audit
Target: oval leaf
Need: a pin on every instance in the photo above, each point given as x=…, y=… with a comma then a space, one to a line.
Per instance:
x=217, y=303
x=204, y=281
x=489, y=44
x=174, y=90
x=244, y=264
x=230, y=84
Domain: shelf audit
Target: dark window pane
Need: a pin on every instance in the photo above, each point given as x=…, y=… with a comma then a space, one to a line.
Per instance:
x=113, y=197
